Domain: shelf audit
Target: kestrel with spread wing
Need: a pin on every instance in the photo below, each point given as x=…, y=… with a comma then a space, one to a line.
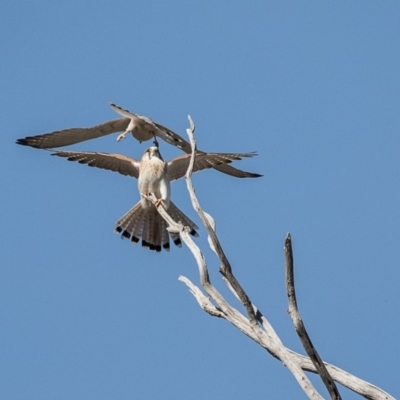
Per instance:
x=141, y=127
x=154, y=176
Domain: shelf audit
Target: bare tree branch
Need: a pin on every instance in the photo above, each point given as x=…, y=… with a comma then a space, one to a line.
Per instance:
x=203, y=301
x=255, y=325
x=226, y=271
x=299, y=325
x=225, y=267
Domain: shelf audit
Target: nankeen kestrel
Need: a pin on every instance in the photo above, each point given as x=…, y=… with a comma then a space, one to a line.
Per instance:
x=141, y=127
x=154, y=176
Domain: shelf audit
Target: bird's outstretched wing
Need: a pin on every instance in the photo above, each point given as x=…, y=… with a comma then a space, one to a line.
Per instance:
x=141, y=127
x=70, y=136
x=113, y=162
x=178, y=166
x=237, y=173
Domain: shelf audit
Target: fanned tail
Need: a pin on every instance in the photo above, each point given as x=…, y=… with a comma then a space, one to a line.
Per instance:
x=148, y=225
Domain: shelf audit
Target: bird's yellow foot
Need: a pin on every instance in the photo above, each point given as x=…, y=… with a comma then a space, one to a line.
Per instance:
x=122, y=136
x=158, y=202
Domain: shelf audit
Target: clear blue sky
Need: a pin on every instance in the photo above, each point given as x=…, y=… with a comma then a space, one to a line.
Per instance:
x=312, y=86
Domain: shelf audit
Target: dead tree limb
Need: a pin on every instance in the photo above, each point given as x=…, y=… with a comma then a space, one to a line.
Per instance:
x=255, y=325
x=299, y=325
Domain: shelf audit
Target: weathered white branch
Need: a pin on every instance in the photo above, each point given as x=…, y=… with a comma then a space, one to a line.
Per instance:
x=203, y=300
x=255, y=326
x=226, y=270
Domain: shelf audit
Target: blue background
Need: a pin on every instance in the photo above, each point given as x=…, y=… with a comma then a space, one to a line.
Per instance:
x=312, y=86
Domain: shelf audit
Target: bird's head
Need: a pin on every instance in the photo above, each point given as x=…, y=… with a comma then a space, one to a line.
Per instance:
x=152, y=152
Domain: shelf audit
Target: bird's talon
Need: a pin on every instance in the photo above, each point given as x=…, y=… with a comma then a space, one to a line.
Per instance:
x=158, y=202
x=121, y=136
x=155, y=142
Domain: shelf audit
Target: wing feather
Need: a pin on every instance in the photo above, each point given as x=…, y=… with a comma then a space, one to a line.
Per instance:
x=178, y=166
x=70, y=136
x=112, y=162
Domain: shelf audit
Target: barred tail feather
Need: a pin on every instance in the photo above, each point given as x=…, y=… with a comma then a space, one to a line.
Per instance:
x=178, y=216
x=131, y=224
x=150, y=227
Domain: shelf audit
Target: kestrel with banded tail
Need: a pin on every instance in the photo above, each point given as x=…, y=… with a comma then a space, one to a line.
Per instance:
x=154, y=176
x=141, y=127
